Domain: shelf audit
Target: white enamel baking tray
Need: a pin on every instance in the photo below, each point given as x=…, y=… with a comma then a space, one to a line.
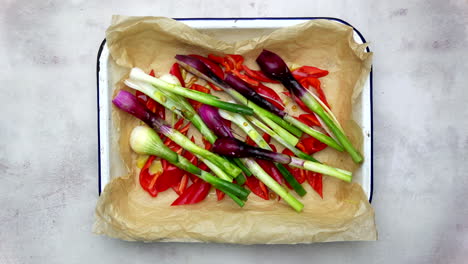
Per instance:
x=238, y=28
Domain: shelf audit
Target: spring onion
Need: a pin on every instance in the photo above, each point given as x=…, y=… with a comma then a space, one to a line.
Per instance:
x=280, y=126
x=274, y=67
x=245, y=125
x=214, y=120
x=140, y=75
x=232, y=147
x=128, y=103
x=144, y=140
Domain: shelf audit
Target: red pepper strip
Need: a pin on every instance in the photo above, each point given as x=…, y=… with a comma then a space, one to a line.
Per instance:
x=152, y=105
x=207, y=144
x=258, y=75
x=310, y=72
x=273, y=147
x=237, y=61
x=199, y=88
x=246, y=78
x=179, y=123
x=316, y=182
x=250, y=141
x=299, y=103
x=271, y=169
x=215, y=58
x=266, y=137
x=175, y=71
x=195, y=193
x=211, y=65
x=171, y=176
x=147, y=181
x=219, y=195
x=214, y=87
x=182, y=185
x=270, y=95
x=185, y=129
x=194, y=160
x=309, y=119
x=314, y=82
x=257, y=187
x=310, y=145
x=228, y=64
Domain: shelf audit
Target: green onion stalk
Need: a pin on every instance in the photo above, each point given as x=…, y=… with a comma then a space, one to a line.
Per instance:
x=277, y=119
x=214, y=121
x=274, y=67
x=179, y=105
x=245, y=125
x=232, y=147
x=128, y=103
x=139, y=75
x=282, y=127
x=144, y=140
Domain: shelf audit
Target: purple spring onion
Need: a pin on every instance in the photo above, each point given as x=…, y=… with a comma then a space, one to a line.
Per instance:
x=275, y=68
x=232, y=147
x=280, y=126
x=239, y=85
x=214, y=121
x=275, y=118
x=129, y=103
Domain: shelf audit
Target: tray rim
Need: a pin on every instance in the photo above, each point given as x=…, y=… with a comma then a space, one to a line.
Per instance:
x=101, y=47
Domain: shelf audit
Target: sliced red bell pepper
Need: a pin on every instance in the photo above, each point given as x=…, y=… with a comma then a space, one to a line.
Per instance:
x=310, y=145
x=207, y=144
x=152, y=105
x=246, y=78
x=217, y=59
x=175, y=71
x=250, y=141
x=273, y=147
x=195, y=193
x=237, y=61
x=211, y=65
x=270, y=168
x=316, y=182
x=257, y=187
x=171, y=176
x=219, y=195
x=199, y=88
x=194, y=160
x=266, y=137
x=309, y=71
x=270, y=95
x=314, y=82
x=299, y=103
x=257, y=75
x=309, y=119
x=182, y=185
x=147, y=180
x=214, y=87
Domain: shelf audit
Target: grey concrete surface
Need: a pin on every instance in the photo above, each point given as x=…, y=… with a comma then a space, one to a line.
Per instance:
x=48, y=143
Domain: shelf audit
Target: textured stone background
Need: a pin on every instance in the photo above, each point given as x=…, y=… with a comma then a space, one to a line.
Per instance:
x=48, y=143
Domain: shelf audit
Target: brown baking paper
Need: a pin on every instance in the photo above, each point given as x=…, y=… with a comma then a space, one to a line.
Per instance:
x=125, y=211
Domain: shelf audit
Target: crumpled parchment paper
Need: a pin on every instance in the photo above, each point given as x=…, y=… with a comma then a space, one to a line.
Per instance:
x=125, y=211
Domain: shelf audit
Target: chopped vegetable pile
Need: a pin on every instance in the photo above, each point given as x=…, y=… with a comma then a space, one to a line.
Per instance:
x=234, y=165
